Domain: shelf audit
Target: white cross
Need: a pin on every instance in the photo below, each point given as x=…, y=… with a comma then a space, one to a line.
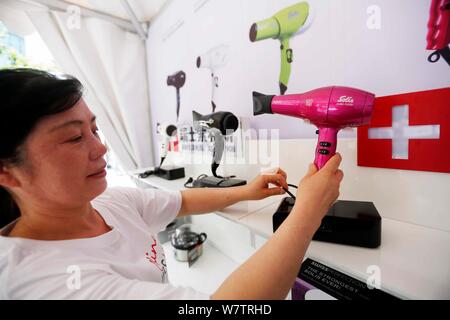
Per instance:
x=401, y=132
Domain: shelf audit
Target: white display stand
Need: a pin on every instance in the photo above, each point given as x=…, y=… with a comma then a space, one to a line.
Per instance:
x=413, y=260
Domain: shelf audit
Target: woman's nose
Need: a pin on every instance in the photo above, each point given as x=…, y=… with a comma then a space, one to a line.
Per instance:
x=98, y=149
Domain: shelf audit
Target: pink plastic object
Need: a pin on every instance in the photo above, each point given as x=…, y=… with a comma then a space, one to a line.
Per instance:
x=438, y=35
x=330, y=109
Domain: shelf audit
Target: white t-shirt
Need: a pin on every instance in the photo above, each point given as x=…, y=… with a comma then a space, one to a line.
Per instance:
x=125, y=263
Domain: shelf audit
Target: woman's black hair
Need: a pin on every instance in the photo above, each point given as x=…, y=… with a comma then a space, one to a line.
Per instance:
x=27, y=96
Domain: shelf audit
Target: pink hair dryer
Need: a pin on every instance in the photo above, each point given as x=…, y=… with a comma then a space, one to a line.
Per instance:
x=438, y=36
x=329, y=108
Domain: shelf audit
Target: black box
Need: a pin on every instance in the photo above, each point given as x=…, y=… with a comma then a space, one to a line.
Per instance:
x=355, y=223
x=170, y=172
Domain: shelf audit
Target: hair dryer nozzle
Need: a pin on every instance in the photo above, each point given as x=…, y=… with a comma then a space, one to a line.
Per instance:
x=196, y=116
x=177, y=79
x=226, y=122
x=253, y=32
x=261, y=103
x=230, y=123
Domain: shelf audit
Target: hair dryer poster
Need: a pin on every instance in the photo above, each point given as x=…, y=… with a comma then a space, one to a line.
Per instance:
x=230, y=49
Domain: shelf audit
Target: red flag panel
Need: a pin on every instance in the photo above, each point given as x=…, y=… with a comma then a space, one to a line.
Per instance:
x=417, y=123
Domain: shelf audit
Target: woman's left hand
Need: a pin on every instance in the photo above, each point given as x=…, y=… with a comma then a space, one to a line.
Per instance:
x=259, y=187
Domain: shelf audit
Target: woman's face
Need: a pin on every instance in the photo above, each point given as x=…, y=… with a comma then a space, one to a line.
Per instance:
x=64, y=162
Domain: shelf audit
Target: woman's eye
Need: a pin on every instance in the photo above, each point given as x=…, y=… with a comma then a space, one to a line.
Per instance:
x=80, y=137
x=95, y=132
x=75, y=139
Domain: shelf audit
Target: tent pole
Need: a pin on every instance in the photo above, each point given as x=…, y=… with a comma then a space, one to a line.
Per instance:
x=137, y=25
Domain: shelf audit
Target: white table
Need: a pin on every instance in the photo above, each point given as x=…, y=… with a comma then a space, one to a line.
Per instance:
x=414, y=261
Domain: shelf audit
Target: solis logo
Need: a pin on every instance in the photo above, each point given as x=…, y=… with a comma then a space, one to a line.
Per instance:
x=345, y=100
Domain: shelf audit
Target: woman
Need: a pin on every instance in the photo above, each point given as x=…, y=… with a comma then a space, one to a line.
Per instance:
x=59, y=219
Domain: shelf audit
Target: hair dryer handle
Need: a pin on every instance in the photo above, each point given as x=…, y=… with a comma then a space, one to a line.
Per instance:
x=326, y=146
x=178, y=103
x=219, y=145
x=214, y=85
x=285, y=67
x=163, y=149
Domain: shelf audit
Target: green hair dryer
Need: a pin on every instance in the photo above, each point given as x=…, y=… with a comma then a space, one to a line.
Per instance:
x=283, y=25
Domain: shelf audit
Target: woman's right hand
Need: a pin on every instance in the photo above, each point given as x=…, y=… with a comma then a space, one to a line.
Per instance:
x=282, y=254
x=318, y=190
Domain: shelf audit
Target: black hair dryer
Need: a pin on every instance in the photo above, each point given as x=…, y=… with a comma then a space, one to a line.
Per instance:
x=219, y=124
x=177, y=80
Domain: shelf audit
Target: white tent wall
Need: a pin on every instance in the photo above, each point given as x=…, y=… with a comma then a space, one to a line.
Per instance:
x=110, y=62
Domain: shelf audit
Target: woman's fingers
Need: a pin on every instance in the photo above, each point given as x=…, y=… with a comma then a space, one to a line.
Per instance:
x=280, y=171
x=276, y=179
x=274, y=191
x=339, y=175
x=312, y=169
x=275, y=171
x=332, y=165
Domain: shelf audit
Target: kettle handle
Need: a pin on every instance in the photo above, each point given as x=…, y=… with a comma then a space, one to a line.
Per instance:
x=202, y=237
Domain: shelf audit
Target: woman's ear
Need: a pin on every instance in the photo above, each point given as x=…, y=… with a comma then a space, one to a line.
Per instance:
x=7, y=179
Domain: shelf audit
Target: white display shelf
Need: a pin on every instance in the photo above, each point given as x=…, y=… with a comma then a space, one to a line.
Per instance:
x=414, y=261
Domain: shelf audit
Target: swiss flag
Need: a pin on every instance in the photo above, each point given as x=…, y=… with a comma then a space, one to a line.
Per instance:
x=408, y=131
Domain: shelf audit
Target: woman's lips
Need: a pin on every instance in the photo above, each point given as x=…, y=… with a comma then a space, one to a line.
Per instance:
x=99, y=174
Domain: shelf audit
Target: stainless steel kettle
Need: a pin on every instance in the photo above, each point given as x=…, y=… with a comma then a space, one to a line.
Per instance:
x=188, y=245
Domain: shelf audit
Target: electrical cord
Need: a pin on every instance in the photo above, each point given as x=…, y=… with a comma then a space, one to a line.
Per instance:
x=146, y=174
x=290, y=193
x=191, y=181
x=214, y=167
